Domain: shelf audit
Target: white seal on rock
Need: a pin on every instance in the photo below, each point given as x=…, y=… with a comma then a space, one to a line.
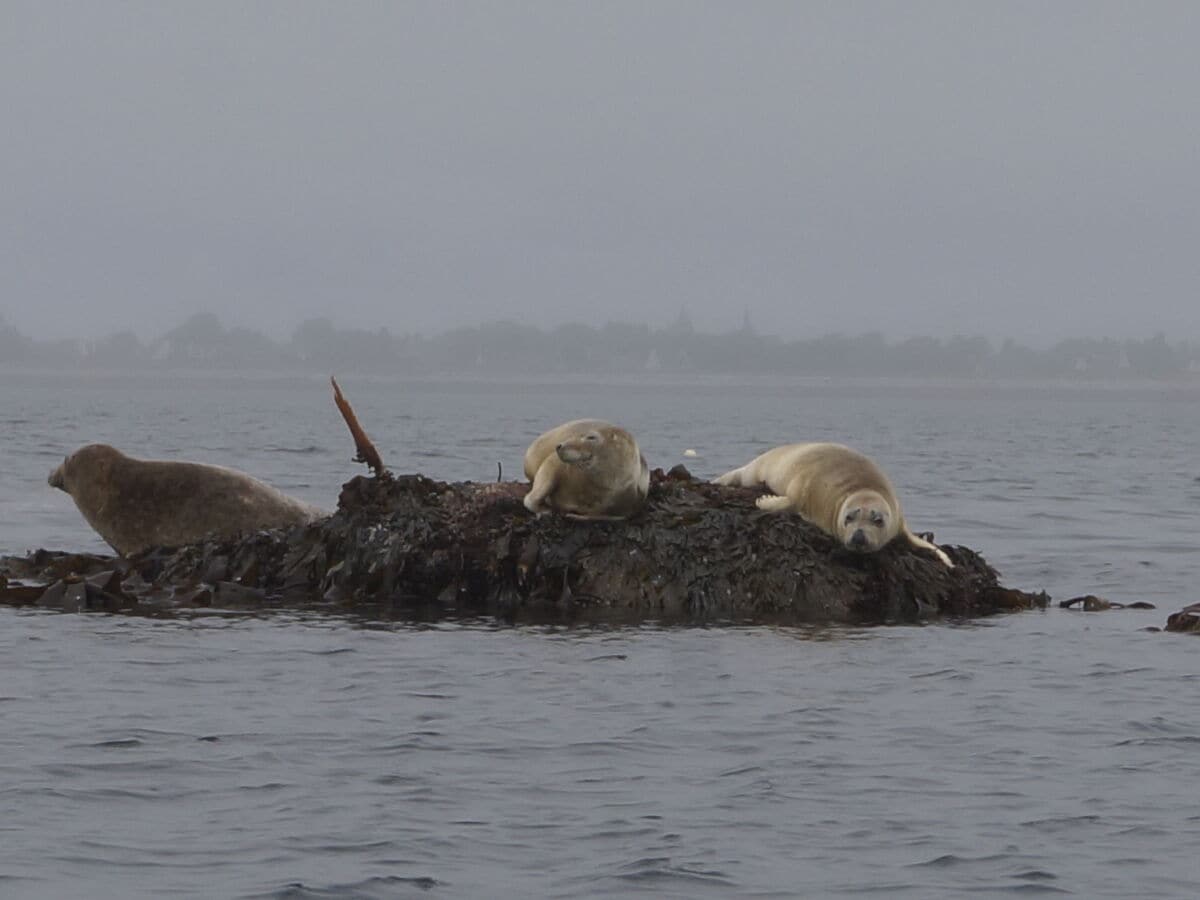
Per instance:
x=838, y=489
x=588, y=469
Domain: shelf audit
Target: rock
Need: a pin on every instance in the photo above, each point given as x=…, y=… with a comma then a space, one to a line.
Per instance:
x=14, y=592
x=1186, y=620
x=76, y=594
x=1009, y=599
x=1092, y=603
x=1088, y=603
x=410, y=545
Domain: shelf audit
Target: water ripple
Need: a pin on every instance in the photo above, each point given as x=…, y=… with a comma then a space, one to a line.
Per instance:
x=386, y=887
x=321, y=756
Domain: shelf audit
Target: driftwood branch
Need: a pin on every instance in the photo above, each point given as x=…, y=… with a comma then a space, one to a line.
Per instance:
x=364, y=447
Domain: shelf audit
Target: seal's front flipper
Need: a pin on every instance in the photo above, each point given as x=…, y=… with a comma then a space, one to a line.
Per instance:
x=543, y=484
x=773, y=503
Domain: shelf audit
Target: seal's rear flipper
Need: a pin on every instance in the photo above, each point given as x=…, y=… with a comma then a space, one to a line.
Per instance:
x=928, y=545
x=733, y=477
x=366, y=452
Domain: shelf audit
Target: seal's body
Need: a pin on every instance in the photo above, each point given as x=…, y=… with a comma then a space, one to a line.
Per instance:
x=838, y=489
x=136, y=504
x=588, y=469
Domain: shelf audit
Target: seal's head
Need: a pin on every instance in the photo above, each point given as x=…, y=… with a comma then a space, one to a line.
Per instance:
x=97, y=457
x=866, y=521
x=582, y=449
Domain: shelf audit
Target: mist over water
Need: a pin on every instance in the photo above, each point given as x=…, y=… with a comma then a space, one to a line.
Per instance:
x=288, y=756
x=1007, y=170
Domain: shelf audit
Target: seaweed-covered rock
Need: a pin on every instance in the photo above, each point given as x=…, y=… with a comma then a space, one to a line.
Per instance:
x=1187, y=620
x=410, y=545
x=1092, y=603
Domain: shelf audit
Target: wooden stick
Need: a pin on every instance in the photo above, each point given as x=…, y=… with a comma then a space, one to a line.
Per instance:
x=366, y=452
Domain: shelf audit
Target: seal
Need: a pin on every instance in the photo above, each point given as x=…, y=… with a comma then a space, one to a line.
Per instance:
x=838, y=489
x=588, y=469
x=136, y=504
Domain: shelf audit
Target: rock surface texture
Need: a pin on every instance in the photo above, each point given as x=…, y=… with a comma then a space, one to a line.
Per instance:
x=410, y=546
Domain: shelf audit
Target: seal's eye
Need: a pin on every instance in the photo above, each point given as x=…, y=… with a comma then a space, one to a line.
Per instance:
x=876, y=517
x=851, y=516
x=593, y=437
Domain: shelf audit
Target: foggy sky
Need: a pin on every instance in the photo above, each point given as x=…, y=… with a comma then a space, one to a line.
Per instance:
x=1008, y=169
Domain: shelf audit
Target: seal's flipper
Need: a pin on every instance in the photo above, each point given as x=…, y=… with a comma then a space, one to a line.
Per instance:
x=730, y=478
x=543, y=484
x=923, y=544
x=773, y=503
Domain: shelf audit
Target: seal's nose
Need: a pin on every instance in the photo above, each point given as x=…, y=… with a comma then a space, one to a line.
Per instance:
x=858, y=540
x=56, y=479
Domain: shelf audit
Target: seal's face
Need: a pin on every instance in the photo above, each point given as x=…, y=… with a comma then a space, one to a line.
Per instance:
x=96, y=461
x=579, y=451
x=58, y=478
x=865, y=522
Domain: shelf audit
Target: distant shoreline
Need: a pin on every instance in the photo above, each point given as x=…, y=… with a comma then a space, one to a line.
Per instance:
x=508, y=350
x=16, y=376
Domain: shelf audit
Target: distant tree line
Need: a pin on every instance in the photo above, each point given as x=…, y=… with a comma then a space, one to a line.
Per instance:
x=505, y=347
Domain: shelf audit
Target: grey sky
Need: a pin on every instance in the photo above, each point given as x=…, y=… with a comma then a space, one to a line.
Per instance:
x=1023, y=169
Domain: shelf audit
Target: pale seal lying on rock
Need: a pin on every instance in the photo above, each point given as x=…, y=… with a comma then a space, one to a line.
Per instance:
x=838, y=489
x=588, y=469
